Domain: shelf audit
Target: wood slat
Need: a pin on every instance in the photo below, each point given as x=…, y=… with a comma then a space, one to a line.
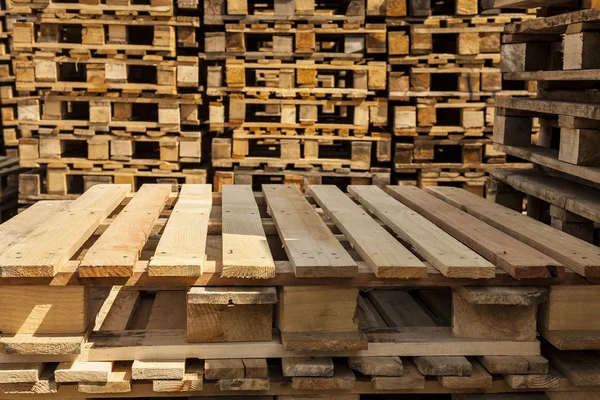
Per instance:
x=181, y=250
x=377, y=247
x=514, y=257
x=246, y=252
x=574, y=253
x=117, y=250
x=448, y=255
x=45, y=250
x=311, y=247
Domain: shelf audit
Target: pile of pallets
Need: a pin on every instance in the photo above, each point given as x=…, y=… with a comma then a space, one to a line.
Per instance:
x=109, y=91
x=557, y=52
x=297, y=88
x=444, y=77
x=175, y=294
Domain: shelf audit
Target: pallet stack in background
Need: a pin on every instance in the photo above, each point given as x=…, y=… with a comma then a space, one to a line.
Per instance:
x=297, y=92
x=109, y=92
x=560, y=54
x=444, y=78
x=9, y=155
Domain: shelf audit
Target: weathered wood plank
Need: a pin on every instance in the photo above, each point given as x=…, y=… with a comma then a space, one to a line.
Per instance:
x=181, y=250
x=117, y=250
x=246, y=252
x=514, y=257
x=447, y=254
x=377, y=247
x=311, y=247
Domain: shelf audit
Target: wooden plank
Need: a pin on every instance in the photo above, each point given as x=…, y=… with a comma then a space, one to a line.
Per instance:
x=418, y=341
x=245, y=384
x=515, y=364
x=83, y=371
x=517, y=296
x=22, y=224
x=479, y=379
x=571, y=339
x=324, y=342
x=562, y=193
x=224, y=369
x=119, y=381
x=21, y=372
x=555, y=24
x=307, y=366
x=548, y=157
x=429, y=240
x=117, y=250
x=343, y=379
x=582, y=110
x=193, y=380
x=46, y=385
x=311, y=247
x=24, y=344
x=571, y=308
x=443, y=366
x=576, y=254
x=581, y=368
x=45, y=250
x=376, y=366
x=43, y=310
x=141, y=370
x=532, y=381
x=411, y=379
x=246, y=252
x=560, y=75
x=376, y=246
x=514, y=257
x=256, y=368
x=181, y=250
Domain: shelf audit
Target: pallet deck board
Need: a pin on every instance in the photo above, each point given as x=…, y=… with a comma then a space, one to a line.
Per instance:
x=181, y=250
x=246, y=252
x=429, y=240
x=516, y=258
x=378, y=248
x=574, y=253
x=116, y=252
x=51, y=245
x=302, y=231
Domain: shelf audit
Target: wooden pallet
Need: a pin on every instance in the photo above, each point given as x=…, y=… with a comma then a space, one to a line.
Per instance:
x=447, y=153
x=256, y=177
x=218, y=12
x=152, y=74
x=99, y=8
x=565, y=205
x=413, y=10
x=287, y=41
x=280, y=151
x=526, y=264
x=340, y=115
x=89, y=111
x=566, y=106
x=60, y=181
x=118, y=151
x=104, y=35
x=337, y=78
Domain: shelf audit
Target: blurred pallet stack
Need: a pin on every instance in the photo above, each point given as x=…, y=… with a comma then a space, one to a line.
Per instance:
x=559, y=52
x=9, y=157
x=444, y=78
x=297, y=92
x=109, y=92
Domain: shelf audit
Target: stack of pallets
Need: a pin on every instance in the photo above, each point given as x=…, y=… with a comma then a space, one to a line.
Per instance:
x=109, y=92
x=557, y=52
x=297, y=92
x=444, y=77
x=290, y=296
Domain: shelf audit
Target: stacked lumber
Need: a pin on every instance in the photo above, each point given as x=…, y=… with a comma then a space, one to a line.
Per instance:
x=110, y=92
x=557, y=52
x=8, y=137
x=284, y=294
x=297, y=92
x=444, y=78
